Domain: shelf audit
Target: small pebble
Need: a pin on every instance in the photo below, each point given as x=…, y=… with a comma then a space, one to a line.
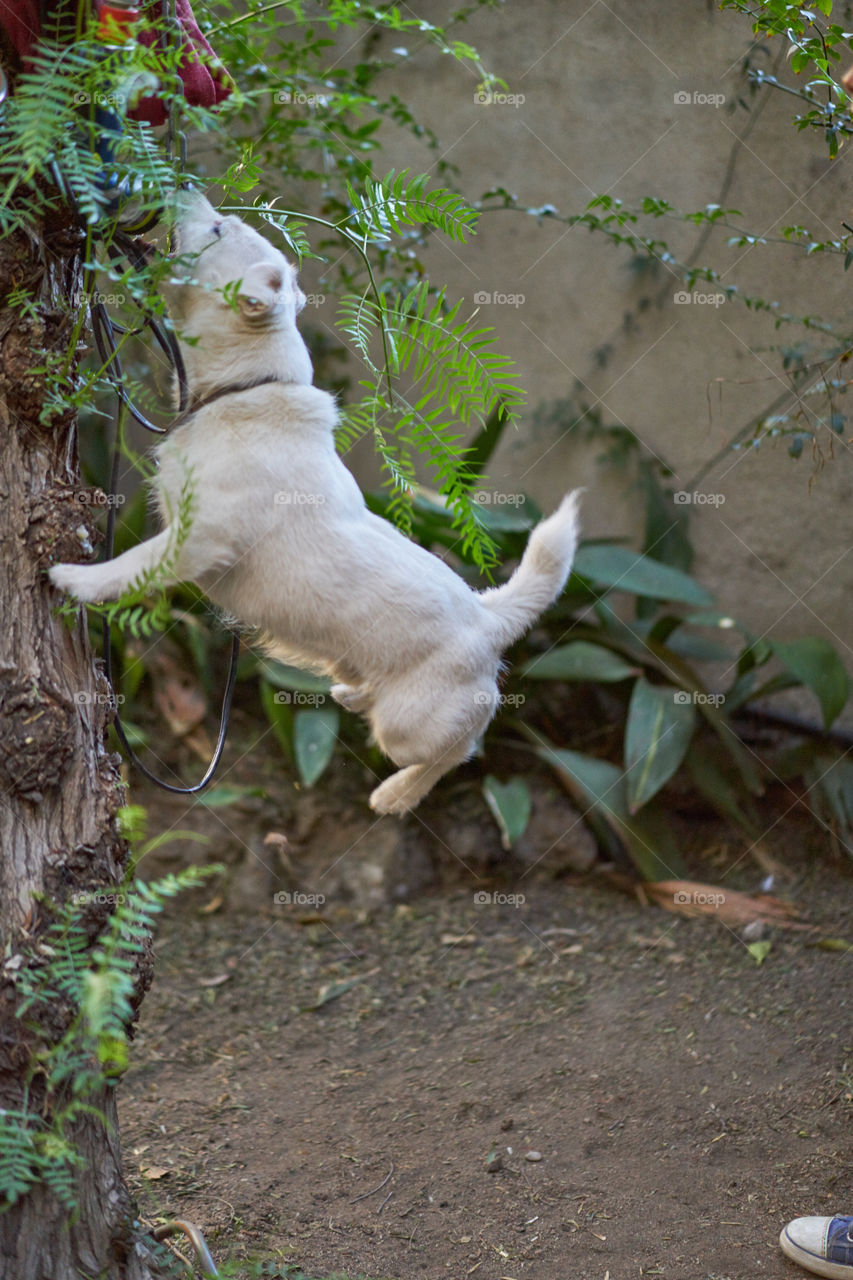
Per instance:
x=533, y=1155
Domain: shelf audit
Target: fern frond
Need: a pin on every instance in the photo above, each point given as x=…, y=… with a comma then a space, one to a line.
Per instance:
x=397, y=201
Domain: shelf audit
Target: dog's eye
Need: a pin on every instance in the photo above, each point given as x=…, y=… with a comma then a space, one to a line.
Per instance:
x=217, y=228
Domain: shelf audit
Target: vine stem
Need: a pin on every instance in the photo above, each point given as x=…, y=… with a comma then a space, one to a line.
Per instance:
x=361, y=250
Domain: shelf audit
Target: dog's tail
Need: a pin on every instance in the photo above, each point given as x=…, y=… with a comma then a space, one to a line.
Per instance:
x=541, y=576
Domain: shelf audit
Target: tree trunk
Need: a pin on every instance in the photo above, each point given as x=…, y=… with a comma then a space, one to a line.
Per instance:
x=60, y=787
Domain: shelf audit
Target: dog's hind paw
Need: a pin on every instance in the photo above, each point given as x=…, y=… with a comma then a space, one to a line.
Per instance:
x=385, y=798
x=401, y=792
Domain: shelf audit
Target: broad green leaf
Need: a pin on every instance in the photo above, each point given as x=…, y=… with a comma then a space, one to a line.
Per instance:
x=707, y=765
x=713, y=618
x=284, y=677
x=218, y=797
x=314, y=736
x=660, y=724
x=601, y=784
x=666, y=537
x=486, y=441
x=697, y=648
x=579, y=661
x=816, y=664
x=280, y=716
x=624, y=570
x=510, y=804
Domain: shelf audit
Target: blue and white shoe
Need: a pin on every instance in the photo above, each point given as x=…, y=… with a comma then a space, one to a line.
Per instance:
x=821, y=1245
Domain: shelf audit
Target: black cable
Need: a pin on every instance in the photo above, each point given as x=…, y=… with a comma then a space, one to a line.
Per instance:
x=104, y=333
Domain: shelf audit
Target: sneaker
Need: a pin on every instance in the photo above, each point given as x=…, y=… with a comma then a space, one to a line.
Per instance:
x=821, y=1245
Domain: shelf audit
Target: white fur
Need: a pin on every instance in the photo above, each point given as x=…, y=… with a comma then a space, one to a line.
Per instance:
x=282, y=540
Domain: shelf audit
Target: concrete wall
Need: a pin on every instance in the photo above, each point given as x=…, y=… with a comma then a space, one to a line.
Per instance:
x=599, y=114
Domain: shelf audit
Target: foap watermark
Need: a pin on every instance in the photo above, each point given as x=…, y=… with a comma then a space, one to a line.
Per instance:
x=486, y=298
x=315, y=299
x=298, y=698
x=108, y=299
x=487, y=98
x=483, y=698
x=296, y=498
x=682, y=498
x=83, y=99
x=487, y=499
x=296, y=898
x=97, y=498
x=698, y=898
x=483, y=898
x=685, y=698
x=84, y=698
x=287, y=99
x=685, y=98
x=98, y=898
x=682, y=298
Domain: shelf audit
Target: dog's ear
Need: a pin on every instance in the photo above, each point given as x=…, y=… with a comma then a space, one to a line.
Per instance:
x=260, y=298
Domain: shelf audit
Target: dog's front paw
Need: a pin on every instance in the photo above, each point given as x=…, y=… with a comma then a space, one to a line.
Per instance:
x=350, y=698
x=79, y=580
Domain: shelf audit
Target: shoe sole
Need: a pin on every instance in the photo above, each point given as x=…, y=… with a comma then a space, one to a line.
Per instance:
x=813, y=1261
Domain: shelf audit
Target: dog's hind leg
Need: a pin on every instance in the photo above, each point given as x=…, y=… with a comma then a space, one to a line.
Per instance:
x=406, y=788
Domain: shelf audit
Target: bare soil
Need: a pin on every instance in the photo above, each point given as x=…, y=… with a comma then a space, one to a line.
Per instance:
x=577, y=1085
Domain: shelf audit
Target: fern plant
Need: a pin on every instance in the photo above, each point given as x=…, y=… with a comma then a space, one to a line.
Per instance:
x=94, y=986
x=135, y=611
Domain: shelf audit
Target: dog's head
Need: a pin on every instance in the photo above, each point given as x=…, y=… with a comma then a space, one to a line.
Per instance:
x=225, y=266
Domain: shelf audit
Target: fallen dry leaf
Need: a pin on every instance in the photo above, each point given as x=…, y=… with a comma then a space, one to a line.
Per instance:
x=153, y=1172
x=178, y=698
x=215, y=982
x=693, y=898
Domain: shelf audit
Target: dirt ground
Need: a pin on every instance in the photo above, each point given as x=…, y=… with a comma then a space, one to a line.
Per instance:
x=414, y=1083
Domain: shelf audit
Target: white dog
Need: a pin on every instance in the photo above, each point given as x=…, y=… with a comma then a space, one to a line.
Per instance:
x=282, y=540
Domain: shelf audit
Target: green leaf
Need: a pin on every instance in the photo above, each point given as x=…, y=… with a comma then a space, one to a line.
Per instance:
x=601, y=785
x=280, y=716
x=816, y=664
x=510, y=804
x=708, y=769
x=579, y=661
x=218, y=797
x=624, y=570
x=284, y=677
x=759, y=950
x=665, y=535
x=661, y=721
x=314, y=736
x=332, y=991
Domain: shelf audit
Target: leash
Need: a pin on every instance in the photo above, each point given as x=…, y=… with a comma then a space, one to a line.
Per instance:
x=105, y=331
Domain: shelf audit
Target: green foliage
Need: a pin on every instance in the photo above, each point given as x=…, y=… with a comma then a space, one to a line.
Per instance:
x=511, y=804
x=315, y=734
x=397, y=201
x=457, y=380
x=815, y=46
x=49, y=134
x=435, y=396
x=93, y=984
x=134, y=610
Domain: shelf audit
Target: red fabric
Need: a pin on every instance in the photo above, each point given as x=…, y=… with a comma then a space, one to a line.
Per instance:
x=21, y=22
x=204, y=78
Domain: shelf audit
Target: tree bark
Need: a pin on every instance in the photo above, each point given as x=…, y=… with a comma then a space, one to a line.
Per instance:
x=60, y=787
